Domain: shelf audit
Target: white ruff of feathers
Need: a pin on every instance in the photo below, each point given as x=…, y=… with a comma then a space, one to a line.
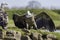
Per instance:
x=28, y=14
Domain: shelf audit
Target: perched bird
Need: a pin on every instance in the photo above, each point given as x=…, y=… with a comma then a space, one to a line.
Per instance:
x=29, y=20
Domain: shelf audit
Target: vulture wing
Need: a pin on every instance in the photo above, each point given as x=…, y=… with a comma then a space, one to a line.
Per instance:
x=19, y=21
x=44, y=20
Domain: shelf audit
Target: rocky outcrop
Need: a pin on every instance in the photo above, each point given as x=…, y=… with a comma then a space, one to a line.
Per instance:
x=13, y=35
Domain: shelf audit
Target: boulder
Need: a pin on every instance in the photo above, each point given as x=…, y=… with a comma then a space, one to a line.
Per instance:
x=1, y=34
x=26, y=30
x=18, y=36
x=25, y=37
x=36, y=36
x=10, y=35
x=51, y=37
x=44, y=36
x=9, y=39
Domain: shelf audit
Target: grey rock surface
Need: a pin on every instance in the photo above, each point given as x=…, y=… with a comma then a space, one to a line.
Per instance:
x=26, y=37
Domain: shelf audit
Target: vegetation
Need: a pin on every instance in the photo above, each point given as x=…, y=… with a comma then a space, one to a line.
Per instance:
x=57, y=11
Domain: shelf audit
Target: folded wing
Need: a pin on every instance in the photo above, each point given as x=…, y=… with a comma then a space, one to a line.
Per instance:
x=19, y=21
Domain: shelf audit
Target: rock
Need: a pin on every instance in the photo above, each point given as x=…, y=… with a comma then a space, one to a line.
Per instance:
x=44, y=36
x=51, y=37
x=10, y=35
x=40, y=37
x=1, y=34
x=25, y=37
x=9, y=39
x=18, y=36
x=26, y=30
x=36, y=36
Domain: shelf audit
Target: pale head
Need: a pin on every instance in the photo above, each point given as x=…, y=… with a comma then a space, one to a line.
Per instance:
x=28, y=13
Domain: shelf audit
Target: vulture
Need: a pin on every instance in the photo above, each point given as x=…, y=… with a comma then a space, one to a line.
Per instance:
x=3, y=19
x=41, y=20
